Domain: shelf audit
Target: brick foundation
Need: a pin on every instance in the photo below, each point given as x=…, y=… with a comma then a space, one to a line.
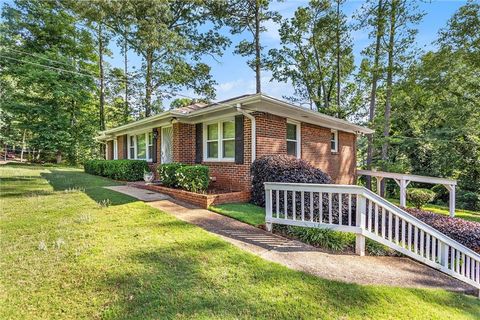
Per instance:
x=200, y=200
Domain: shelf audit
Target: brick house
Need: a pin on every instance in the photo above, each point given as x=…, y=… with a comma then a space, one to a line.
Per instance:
x=227, y=136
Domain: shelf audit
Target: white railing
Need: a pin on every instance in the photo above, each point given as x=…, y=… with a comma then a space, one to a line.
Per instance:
x=356, y=209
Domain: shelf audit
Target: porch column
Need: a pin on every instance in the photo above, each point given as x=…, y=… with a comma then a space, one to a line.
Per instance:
x=403, y=183
x=451, y=200
x=379, y=185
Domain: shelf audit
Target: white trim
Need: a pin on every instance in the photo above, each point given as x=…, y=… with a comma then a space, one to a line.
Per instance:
x=335, y=139
x=298, y=141
x=148, y=156
x=219, y=140
x=115, y=149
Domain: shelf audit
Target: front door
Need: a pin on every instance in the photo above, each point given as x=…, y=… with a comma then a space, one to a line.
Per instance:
x=167, y=145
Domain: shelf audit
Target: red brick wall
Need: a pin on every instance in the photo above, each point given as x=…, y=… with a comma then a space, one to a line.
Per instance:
x=109, y=155
x=341, y=165
x=120, y=147
x=184, y=143
x=271, y=139
x=271, y=134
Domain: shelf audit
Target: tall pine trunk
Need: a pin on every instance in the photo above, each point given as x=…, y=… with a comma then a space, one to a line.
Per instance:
x=338, y=56
x=148, y=82
x=388, y=97
x=373, y=94
x=126, y=111
x=102, y=78
x=257, y=47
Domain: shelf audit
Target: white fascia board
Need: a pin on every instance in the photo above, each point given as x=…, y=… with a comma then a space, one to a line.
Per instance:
x=288, y=110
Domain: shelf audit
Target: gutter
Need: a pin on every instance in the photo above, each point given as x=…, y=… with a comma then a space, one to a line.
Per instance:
x=254, y=130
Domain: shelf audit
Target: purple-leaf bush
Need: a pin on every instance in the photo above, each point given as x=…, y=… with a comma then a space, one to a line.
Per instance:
x=465, y=232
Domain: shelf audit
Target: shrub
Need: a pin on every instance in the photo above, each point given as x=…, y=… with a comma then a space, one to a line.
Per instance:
x=419, y=197
x=128, y=170
x=469, y=200
x=323, y=237
x=193, y=178
x=282, y=168
x=441, y=193
x=167, y=173
x=465, y=232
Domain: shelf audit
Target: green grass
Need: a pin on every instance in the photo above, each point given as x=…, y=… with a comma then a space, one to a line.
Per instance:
x=245, y=212
x=459, y=213
x=64, y=256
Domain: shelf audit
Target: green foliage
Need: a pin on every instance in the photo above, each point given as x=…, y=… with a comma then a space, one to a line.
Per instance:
x=325, y=238
x=193, y=178
x=167, y=173
x=419, y=197
x=469, y=200
x=126, y=170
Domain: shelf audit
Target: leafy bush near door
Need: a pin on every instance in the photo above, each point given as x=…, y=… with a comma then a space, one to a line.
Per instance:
x=167, y=173
x=127, y=170
x=193, y=178
x=178, y=175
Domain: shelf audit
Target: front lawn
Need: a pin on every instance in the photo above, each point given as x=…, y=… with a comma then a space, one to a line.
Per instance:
x=69, y=254
x=245, y=212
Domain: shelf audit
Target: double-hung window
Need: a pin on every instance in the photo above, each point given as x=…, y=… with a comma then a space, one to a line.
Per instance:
x=293, y=137
x=140, y=146
x=334, y=141
x=115, y=149
x=219, y=141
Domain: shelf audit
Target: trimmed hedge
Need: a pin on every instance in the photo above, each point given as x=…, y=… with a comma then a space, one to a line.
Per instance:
x=419, y=197
x=193, y=178
x=465, y=232
x=167, y=173
x=282, y=168
x=127, y=170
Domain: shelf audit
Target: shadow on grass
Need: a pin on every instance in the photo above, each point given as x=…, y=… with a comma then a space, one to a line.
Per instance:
x=93, y=186
x=189, y=280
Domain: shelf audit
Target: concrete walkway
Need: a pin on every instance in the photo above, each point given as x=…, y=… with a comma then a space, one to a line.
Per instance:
x=368, y=270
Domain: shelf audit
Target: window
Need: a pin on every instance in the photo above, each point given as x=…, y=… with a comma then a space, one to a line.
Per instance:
x=334, y=141
x=293, y=144
x=115, y=149
x=140, y=146
x=132, y=147
x=220, y=140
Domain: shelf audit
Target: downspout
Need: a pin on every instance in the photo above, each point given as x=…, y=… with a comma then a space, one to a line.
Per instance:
x=254, y=129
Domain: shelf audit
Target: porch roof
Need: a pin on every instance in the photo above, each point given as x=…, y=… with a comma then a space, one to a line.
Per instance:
x=249, y=102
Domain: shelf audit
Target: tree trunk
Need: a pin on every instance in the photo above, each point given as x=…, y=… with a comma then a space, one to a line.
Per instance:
x=388, y=97
x=338, y=57
x=148, y=82
x=102, y=77
x=23, y=146
x=126, y=112
x=58, y=157
x=257, y=47
x=5, y=151
x=373, y=94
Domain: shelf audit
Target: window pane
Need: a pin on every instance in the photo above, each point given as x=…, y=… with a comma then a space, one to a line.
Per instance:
x=333, y=145
x=333, y=136
x=292, y=148
x=229, y=149
x=291, y=131
x=228, y=130
x=212, y=131
x=132, y=153
x=132, y=141
x=150, y=138
x=150, y=151
x=212, y=149
x=141, y=147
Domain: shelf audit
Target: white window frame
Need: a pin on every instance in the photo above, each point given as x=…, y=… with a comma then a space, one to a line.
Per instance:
x=147, y=153
x=220, y=141
x=115, y=149
x=299, y=138
x=335, y=140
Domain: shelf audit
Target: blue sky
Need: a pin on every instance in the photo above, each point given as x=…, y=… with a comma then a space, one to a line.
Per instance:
x=234, y=77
